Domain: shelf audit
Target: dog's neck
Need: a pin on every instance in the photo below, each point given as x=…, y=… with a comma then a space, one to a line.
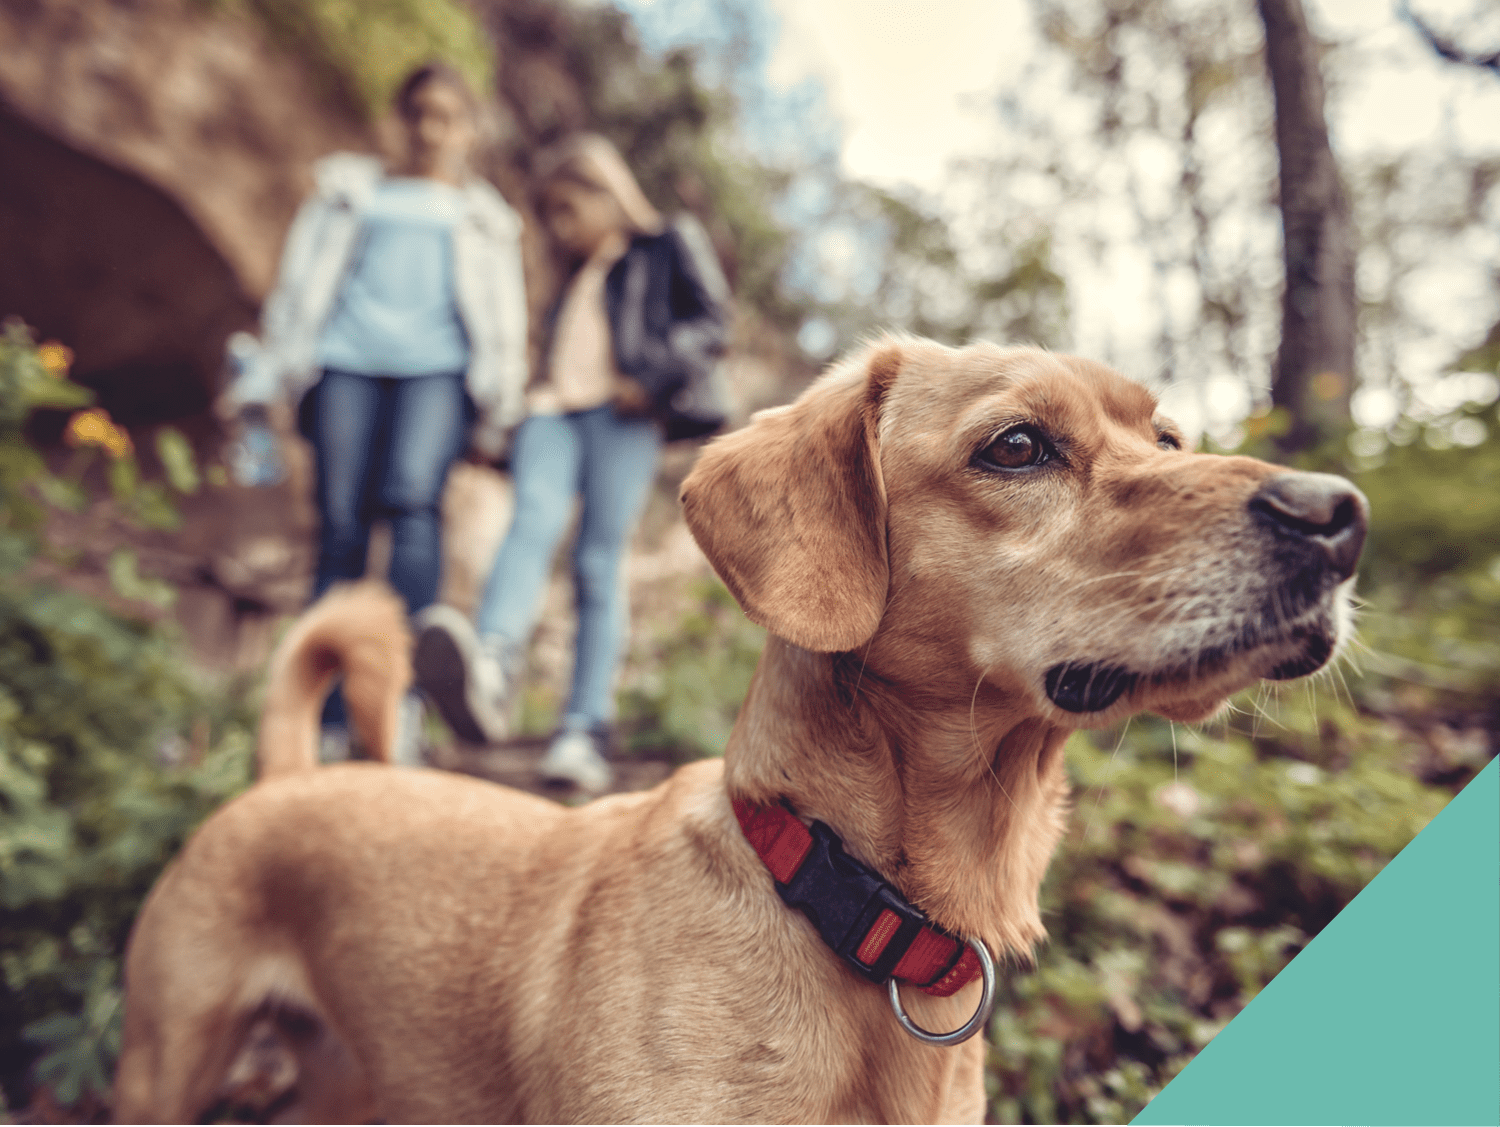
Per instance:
x=958, y=802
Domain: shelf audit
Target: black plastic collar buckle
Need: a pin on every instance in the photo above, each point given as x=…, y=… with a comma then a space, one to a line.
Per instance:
x=843, y=898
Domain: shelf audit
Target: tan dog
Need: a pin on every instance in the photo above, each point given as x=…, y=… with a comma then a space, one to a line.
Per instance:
x=962, y=556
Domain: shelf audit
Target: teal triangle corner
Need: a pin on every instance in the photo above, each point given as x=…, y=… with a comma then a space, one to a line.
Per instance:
x=1391, y=1015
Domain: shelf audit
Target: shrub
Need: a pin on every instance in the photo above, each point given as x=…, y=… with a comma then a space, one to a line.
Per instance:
x=363, y=49
x=1196, y=866
x=689, y=692
x=109, y=755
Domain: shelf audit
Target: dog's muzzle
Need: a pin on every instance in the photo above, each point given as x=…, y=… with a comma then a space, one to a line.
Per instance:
x=1312, y=527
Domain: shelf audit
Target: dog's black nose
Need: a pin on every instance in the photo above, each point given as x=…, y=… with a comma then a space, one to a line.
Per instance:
x=1320, y=508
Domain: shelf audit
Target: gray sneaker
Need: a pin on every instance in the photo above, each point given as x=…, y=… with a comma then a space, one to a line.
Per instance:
x=461, y=676
x=574, y=757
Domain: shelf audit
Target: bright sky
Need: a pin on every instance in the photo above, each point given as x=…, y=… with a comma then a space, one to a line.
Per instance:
x=911, y=82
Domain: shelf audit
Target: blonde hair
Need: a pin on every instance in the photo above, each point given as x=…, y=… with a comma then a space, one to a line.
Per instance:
x=589, y=159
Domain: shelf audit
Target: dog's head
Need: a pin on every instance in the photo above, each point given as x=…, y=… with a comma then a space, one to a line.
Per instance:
x=1028, y=520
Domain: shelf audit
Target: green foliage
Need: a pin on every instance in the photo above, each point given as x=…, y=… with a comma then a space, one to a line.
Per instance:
x=1429, y=627
x=177, y=459
x=364, y=48
x=925, y=286
x=34, y=378
x=1432, y=624
x=1196, y=866
x=690, y=692
x=109, y=755
x=1435, y=508
x=26, y=384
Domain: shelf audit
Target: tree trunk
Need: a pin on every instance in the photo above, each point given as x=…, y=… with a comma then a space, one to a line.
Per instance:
x=1314, y=370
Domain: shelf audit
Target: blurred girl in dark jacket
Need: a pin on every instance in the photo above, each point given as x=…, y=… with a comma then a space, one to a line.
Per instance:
x=634, y=342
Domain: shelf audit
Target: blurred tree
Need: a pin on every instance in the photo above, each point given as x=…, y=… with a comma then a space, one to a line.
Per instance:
x=908, y=273
x=1467, y=40
x=564, y=68
x=1124, y=146
x=1314, y=370
x=1140, y=141
x=363, y=50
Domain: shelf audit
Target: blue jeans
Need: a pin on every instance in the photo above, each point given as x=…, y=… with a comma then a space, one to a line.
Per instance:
x=611, y=462
x=384, y=447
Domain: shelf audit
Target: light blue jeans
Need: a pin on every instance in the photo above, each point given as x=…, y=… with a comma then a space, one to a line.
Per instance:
x=611, y=462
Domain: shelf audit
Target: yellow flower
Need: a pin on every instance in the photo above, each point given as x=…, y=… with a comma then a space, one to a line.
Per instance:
x=94, y=427
x=56, y=358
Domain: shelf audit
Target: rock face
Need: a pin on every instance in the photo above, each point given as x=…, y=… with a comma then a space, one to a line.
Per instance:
x=111, y=264
x=155, y=153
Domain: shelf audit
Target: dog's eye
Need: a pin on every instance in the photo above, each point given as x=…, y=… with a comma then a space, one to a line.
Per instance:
x=1168, y=441
x=1016, y=449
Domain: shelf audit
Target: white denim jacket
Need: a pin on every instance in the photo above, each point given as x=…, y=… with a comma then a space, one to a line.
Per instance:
x=489, y=287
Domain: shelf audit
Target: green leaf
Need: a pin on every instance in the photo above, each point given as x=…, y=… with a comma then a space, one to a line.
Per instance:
x=57, y=393
x=177, y=459
x=54, y=1029
x=124, y=477
x=126, y=579
x=61, y=493
x=153, y=507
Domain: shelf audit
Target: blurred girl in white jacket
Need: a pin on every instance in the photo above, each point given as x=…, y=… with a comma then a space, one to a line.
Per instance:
x=398, y=327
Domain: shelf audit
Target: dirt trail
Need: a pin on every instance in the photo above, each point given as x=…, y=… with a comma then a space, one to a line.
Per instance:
x=514, y=764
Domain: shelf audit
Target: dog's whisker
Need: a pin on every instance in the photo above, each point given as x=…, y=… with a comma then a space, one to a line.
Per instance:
x=1109, y=777
x=1347, y=659
x=987, y=760
x=864, y=660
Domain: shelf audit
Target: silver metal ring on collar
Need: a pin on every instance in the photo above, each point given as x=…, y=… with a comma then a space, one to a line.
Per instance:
x=969, y=1028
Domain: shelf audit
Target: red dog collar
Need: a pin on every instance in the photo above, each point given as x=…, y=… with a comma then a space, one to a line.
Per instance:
x=860, y=915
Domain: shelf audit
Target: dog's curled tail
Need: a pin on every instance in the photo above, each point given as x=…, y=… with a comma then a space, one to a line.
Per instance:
x=358, y=630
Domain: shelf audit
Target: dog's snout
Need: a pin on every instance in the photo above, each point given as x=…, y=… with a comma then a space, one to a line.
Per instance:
x=1317, y=507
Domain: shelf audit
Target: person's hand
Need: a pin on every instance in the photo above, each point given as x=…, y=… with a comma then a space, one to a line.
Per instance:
x=227, y=405
x=489, y=445
x=630, y=399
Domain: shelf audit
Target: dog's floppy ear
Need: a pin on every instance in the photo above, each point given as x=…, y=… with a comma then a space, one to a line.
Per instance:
x=790, y=510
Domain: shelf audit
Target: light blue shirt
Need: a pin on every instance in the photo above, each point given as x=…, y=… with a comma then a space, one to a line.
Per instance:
x=396, y=313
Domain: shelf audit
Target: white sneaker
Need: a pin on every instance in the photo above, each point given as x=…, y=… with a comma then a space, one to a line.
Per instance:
x=460, y=676
x=334, y=744
x=407, y=751
x=574, y=758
